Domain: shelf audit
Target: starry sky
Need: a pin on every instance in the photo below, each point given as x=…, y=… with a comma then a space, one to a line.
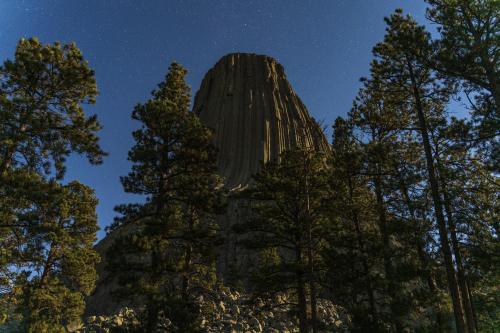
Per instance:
x=324, y=46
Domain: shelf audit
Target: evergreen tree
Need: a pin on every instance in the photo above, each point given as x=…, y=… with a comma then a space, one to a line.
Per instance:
x=42, y=121
x=399, y=66
x=465, y=182
x=469, y=53
x=288, y=199
x=57, y=260
x=410, y=202
x=381, y=126
x=399, y=163
x=166, y=256
x=353, y=267
x=476, y=213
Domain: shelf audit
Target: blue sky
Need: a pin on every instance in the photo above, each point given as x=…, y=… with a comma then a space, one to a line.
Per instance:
x=324, y=45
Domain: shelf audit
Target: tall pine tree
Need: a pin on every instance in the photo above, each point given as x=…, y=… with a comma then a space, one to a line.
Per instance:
x=167, y=256
x=288, y=200
x=47, y=250
x=399, y=64
x=353, y=247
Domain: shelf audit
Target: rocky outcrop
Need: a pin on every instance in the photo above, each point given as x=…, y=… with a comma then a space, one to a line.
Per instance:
x=230, y=311
x=248, y=102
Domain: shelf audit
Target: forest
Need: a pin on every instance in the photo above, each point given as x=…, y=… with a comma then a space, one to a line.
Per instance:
x=397, y=223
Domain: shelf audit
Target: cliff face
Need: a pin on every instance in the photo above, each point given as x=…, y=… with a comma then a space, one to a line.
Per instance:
x=248, y=101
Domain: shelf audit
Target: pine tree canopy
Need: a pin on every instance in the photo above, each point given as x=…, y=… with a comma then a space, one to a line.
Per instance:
x=42, y=119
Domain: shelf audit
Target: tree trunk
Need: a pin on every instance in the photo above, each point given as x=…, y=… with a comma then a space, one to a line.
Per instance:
x=466, y=301
x=312, y=296
x=472, y=305
x=438, y=210
x=185, y=278
x=151, y=306
x=301, y=295
x=187, y=260
x=152, y=316
x=424, y=262
x=310, y=254
x=314, y=303
x=366, y=271
x=361, y=246
x=382, y=218
x=312, y=286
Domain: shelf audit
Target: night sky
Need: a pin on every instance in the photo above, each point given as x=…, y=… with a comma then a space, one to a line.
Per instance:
x=324, y=46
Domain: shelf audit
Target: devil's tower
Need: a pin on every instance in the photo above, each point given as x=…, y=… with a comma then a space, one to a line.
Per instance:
x=248, y=101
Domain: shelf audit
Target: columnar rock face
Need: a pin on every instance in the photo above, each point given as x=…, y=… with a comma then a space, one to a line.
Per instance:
x=248, y=101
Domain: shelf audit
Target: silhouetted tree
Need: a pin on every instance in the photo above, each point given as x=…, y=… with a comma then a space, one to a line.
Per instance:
x=288, y=200
x=352, y=251
x=166, y=255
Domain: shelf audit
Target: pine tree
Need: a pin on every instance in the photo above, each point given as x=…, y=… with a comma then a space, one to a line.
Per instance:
x=42, y=121
x=166, y=257
x=57, y=261
x=461, y=170
x=353, y=242
x=469, y=53
x=287, y=200
x=399, y=66
x=382, y=127
x=476, y=213
x=411, y=203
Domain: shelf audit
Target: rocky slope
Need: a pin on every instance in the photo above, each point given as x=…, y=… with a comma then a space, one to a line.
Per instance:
x=227, y=311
